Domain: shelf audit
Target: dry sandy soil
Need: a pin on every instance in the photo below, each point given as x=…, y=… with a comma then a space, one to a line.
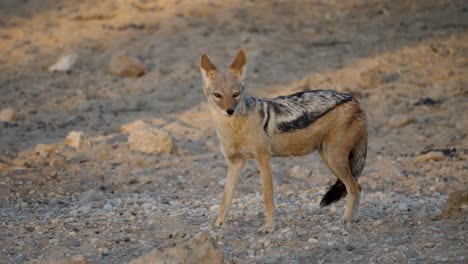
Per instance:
x=405, y=61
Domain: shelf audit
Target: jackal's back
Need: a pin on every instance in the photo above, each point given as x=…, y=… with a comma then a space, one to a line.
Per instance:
x=286, y=114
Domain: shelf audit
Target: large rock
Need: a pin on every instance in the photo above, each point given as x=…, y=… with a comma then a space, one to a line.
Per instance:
x=200, y=249
x=150, y=140
x=125, y=66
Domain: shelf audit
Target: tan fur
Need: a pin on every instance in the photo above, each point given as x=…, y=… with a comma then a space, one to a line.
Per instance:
x=335, y=135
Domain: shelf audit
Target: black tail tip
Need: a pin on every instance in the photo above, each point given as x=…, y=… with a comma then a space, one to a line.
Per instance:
x=336, y=192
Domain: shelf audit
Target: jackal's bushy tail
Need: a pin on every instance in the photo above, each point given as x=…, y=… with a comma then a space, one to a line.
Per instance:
x=357, y=159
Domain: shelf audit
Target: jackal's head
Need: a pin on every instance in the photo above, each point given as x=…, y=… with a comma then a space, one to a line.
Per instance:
x=224, y=91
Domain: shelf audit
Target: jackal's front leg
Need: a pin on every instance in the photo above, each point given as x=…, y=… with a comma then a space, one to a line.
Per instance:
x=235, y=167
x=263, y=161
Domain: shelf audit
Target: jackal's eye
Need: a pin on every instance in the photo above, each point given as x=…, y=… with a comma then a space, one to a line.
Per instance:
x=235, y=94
x=217, y=95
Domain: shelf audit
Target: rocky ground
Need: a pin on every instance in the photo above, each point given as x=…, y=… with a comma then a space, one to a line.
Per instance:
x=107, y=151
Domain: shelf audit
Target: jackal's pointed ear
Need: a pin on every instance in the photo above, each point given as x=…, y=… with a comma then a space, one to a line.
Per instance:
x=207, y=68
x=238, y=65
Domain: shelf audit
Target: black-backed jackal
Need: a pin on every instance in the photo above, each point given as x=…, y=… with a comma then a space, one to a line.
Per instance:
x=330, y=122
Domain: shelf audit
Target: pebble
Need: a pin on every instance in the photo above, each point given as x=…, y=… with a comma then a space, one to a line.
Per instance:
x=48, y=215
x=403, y=207
x=44, y=150
x=430, y=156
x=399, y=120
x=391, y=77
x=77, y=139
x=130, y=127
x=103, y=251
x=8, y=115
x=299, y=172
x=19, y=258
x=64, y=63
x=94, y=241
x=107, y=207
x=85, y=209
x=53, y=241
x=79, y=158
x=455, y=204
x=90, y=196
x=123, y=65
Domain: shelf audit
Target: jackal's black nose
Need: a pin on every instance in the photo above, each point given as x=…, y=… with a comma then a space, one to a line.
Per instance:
x=230, y=111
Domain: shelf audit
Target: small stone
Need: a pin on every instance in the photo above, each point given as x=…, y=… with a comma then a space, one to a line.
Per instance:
x=146, y=206
x=214, y=208
x=77, y=140
x=18, y=258
x=129, y=128
x=103, y=251
x=48, y=215
x=403, y=207
x=94, y=241
x=430, y=156
x=200, y=249
x=399, y=120
x=64, y=63
x=72, y=234
x=150, y=140
x=77, y=259
x=299, y=172
x=90, y=196
x=267, y=243
x=107, y=207
x=429, y=245
x=391, y=77
x=462, y=125
x=57, y=162
x=44, y=150
x=85, y=209
x=79, y=158
x=455, y=204
x=125, y=66
x=221, y=182
x=370, y=79
x=8, y=115
x=53, y=241
x=312, y=241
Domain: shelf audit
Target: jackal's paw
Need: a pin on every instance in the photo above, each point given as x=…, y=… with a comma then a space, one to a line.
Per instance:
x=346, y=220
x=219, y=222
x=268, y=228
